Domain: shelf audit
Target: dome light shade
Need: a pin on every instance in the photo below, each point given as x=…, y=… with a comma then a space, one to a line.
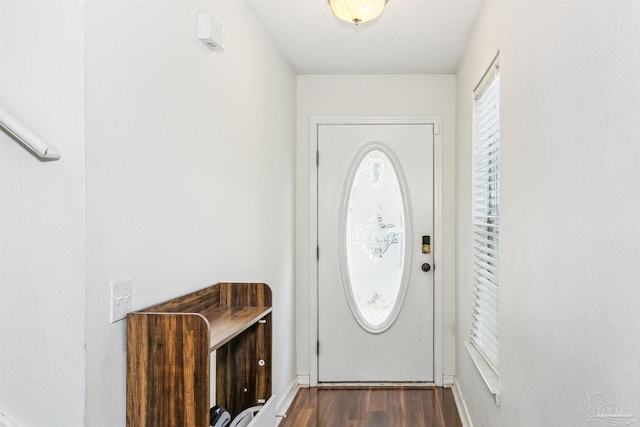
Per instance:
x=357, y=11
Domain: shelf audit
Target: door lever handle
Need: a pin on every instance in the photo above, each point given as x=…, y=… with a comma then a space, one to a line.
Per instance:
x=426, y=267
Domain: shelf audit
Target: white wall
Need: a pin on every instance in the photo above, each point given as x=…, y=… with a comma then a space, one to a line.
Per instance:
x=42, y=275
x=373, y=95
x=190, y=172
x=570, y=203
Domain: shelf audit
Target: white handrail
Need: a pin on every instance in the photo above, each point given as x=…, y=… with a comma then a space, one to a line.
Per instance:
x=23, y=134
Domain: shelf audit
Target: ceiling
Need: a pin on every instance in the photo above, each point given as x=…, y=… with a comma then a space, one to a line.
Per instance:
x=410, y=37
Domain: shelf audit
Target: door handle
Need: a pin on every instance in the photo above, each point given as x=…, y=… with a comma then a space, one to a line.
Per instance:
x=426, y=267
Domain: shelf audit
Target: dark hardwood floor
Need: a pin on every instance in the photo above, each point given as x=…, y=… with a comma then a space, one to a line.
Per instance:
x=373, y=407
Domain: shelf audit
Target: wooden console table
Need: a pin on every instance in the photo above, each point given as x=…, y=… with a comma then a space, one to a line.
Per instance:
x=168, y=350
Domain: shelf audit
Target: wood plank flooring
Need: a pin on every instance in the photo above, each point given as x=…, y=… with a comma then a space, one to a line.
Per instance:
x=373, y=407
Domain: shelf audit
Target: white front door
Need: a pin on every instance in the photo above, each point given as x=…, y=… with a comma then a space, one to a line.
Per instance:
x=375, y=204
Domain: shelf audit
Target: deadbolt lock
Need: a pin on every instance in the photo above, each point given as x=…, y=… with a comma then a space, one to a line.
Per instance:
x=426, y=244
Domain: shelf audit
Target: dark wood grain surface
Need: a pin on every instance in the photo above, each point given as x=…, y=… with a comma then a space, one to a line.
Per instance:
x=244, y=294
x=241, y=380
x=194, y=302
x=227, y=323
x=373, y=407
x=167, y=355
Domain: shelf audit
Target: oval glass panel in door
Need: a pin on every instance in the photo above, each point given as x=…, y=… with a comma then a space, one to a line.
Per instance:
x=374, y=238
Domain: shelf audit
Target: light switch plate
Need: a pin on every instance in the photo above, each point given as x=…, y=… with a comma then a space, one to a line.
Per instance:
x=120, y=299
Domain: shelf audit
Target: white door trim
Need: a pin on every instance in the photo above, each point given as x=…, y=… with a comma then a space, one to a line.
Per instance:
x=314, y=122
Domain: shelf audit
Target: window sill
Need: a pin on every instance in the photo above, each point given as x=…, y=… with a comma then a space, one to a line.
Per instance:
x=489, y=376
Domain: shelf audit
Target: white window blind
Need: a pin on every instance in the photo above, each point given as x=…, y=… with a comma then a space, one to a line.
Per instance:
x=486, y=214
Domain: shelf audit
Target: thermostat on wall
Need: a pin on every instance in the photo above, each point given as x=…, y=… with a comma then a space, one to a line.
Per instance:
x=210, y=32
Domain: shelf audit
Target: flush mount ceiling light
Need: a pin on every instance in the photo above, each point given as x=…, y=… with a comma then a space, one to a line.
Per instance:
x=357, y=11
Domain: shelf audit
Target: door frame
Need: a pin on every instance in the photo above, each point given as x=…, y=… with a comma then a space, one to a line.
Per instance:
x=436, y=122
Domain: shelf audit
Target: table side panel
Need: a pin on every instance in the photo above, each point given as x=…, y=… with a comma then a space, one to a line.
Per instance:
x=167, y=370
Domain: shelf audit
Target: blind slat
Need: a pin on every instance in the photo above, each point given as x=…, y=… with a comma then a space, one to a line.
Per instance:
x=485, y=258
x=489, y=286
x=491, y=269
x=484, y=249
x=493, y=327
x=489, y=275
x=488, y=131
x=485, y=177
x=485, y=233
x=487, y=242
x=485, y=153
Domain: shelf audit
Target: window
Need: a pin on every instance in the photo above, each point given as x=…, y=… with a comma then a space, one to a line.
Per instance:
x=483, y=344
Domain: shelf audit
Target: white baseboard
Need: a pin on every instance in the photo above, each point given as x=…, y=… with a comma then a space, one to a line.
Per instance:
x=447, y=380
x=287, y=400
x=304, y=380
x=463, y=411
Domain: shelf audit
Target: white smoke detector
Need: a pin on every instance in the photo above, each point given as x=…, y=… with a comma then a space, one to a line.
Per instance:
x=210, y=32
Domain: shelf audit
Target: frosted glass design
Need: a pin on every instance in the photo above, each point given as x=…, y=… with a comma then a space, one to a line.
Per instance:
x=375, y=238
